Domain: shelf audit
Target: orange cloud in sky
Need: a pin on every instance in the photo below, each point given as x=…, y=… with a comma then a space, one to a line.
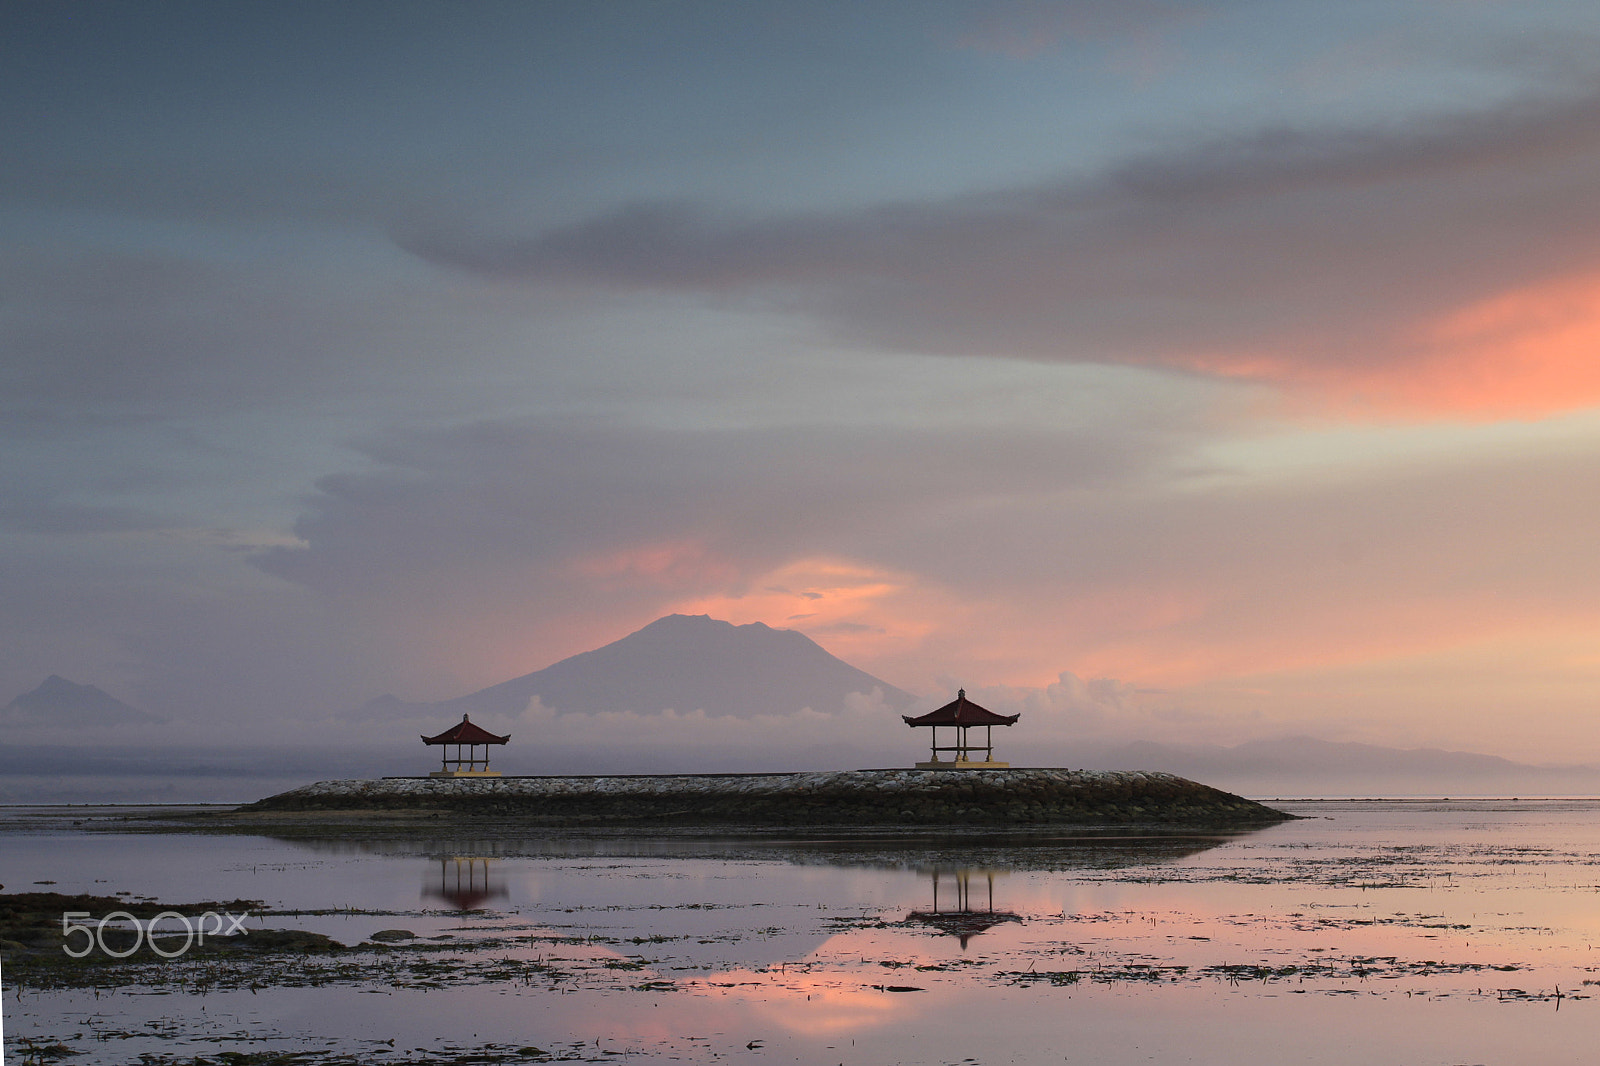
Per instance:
x=1329, y=634
x=908, y=631
x=665, y=563
x=1523, y=353
x=856, y=610
x=1524, y=696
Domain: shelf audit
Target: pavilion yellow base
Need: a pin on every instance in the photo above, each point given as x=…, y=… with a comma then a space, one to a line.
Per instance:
x=465, y=773
x=962, y=764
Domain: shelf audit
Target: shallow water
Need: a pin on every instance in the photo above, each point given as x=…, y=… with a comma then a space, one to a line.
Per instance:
x=1372, y=931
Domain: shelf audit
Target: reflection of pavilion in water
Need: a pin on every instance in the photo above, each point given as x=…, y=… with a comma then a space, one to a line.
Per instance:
x=465, y=882
x=957, y=915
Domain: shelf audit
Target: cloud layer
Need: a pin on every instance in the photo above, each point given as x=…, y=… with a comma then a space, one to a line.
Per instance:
x=939, y=559
x=1389, y=265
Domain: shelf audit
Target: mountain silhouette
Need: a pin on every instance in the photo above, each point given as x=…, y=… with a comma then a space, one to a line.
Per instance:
x=1302, y=765
x=682, y=662
x=59, y=702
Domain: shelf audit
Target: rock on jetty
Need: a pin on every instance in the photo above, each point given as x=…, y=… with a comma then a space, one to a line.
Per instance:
x=848, y=797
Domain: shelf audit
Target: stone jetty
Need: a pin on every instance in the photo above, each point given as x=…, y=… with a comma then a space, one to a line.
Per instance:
x=847, y=797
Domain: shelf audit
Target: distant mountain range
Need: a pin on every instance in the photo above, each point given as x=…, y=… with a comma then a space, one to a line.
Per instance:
x=682, y=662
x=1301, y=754
x=1302, y=765
x=59, y=702
x=690, y=663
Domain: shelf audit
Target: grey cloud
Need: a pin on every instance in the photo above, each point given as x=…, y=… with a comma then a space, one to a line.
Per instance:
x=507, y=494
x=43, y=513
x=1317, y=244
x=156, y=331
x=1024, y=30
x=95, y=333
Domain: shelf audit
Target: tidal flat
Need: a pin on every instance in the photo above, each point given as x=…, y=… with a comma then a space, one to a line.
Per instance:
x=1404, y=931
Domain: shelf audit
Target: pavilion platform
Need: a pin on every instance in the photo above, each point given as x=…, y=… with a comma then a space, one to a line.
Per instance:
x=1036, y=796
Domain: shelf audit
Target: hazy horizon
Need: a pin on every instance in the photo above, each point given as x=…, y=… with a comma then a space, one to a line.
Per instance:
x=1194, y=373
x=684, y=695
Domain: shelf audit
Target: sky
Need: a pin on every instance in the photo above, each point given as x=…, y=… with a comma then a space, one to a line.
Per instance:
x=1193, y=372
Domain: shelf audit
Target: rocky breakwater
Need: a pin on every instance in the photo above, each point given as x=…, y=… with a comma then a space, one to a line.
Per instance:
x=849, y=797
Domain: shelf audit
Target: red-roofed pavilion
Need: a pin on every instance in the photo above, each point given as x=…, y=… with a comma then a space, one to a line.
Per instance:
x=465, y=735
x=962, y=714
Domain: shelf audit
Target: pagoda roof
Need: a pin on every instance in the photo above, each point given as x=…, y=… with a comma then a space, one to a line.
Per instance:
x=464, y=732
x=962, y=711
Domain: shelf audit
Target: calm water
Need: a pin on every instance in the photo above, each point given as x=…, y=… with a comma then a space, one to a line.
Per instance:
x=1372, y=932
